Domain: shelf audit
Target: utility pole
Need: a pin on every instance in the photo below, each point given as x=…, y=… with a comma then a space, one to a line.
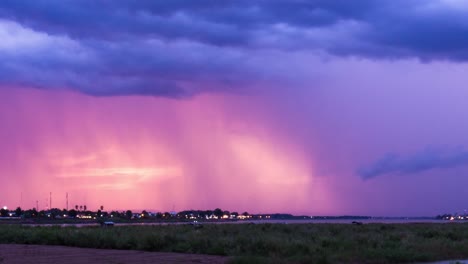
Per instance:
x=50, y=200
x=37, y=205
x=67, y=201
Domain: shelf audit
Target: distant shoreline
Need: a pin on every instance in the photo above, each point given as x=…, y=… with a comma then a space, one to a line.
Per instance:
x=80, y=222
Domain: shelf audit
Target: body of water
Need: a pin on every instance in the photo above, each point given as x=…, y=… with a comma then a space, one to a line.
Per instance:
x=275, y=221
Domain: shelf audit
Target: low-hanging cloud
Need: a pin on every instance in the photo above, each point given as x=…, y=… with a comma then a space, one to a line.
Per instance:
x=183, y=48
x=426, y=160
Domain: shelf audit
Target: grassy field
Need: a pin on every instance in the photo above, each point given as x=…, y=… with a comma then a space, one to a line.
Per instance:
x=267, y=243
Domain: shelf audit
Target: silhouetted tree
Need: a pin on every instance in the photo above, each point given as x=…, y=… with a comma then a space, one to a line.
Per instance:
x=72, y=213
x=55, y=212
x=18, y=211
x=102, y=207
x=145, y=214
x=128, y=214
x=30, y=213
x=84, y=207
x=76, y=207
x=218, y=212
x=202, y=214
x=3, y=212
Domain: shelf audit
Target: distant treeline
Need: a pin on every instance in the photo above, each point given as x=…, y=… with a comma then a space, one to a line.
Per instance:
x=82, y=212
x=453, y=217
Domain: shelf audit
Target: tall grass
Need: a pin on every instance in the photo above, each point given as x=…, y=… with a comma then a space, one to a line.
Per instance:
x=267, y=243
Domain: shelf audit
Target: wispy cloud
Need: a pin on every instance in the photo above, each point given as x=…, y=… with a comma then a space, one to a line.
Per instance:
x=426, y=160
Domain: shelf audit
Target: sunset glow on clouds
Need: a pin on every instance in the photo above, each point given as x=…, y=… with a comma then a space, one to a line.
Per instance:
x=319, y=107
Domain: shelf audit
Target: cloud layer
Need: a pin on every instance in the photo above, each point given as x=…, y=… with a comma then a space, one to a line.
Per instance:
x=181, y=48
x=429, y=159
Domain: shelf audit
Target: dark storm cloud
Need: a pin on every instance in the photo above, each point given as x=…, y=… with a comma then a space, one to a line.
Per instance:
x=181, y=48
x=424, y=161
x=410, y=27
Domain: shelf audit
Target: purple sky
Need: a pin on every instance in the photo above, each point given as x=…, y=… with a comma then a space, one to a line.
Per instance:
x=314, y=107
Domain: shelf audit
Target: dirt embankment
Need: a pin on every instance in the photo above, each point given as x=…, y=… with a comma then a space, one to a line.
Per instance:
x=28, y=254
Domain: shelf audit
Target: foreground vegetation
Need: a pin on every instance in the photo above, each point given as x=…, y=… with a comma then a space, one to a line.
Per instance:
x=267, y=243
